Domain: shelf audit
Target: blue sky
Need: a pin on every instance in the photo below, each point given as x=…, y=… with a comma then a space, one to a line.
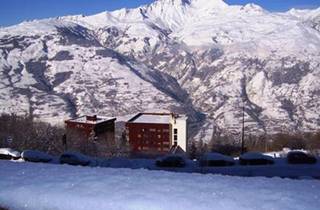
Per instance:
x=16, y=11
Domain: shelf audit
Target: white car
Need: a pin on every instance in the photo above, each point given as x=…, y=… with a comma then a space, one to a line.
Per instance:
x=9, y=154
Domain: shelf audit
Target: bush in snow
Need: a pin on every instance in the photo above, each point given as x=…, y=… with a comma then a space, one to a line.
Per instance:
x=74, y=158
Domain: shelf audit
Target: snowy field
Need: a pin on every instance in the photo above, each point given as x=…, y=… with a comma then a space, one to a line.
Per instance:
x=36, y=186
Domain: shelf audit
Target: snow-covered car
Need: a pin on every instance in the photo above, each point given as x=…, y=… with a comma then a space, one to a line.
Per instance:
x=74, y=158
x=215, y=159
x=9, y=154
x=299, y=157
x=171, y=161
x=36, y=156
x=255, y=158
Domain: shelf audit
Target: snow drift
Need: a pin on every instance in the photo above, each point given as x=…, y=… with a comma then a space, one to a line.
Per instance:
x=45, y=186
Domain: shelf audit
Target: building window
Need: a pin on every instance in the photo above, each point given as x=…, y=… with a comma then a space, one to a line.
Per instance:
x=175, y=136
x=159, y=136
x=152, y=130
x=139, y=135
x=165, y=130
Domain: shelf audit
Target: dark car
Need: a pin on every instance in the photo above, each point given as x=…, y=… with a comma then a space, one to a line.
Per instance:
x=9, y=154
x=298, y=157
x=255, y=158
x=73, y=158
x=215, y=160
x=36, y=156
x=171, y=161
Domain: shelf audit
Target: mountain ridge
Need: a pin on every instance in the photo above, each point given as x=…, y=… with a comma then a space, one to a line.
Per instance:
x=206, y=61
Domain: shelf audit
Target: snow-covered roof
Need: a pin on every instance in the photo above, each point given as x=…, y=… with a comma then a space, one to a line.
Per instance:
x=158, y=119
x=155, y=118
x=86, y=120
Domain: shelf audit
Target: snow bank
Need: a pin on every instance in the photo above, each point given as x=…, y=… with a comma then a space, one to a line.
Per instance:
x=29, y=186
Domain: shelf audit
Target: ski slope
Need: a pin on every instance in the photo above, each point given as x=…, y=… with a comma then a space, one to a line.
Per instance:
x=29, y=186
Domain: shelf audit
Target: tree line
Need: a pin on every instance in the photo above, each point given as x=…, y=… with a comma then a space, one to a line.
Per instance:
x=24, y=132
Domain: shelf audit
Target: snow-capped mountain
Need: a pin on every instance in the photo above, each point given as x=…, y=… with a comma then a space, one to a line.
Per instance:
x=202, y=57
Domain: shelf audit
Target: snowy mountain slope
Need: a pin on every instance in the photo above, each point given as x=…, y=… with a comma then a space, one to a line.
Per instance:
x=201, y=55
x=62, y=71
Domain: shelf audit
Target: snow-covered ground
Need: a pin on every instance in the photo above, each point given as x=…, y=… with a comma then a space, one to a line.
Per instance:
x=33, y=186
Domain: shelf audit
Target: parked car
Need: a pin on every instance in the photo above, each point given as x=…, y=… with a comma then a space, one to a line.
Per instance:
x=255, y=158
x=171, y=161
x=36, y=156
x=299, y=157
x=74, y=158
x=215, y=159
x=9, y=154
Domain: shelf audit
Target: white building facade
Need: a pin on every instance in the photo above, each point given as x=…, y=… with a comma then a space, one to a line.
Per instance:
x=178, y=124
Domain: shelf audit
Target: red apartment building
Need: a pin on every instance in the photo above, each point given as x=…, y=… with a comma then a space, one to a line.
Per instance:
x=156, y=133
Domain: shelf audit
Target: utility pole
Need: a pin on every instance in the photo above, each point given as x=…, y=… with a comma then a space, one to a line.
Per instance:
x=242, y=133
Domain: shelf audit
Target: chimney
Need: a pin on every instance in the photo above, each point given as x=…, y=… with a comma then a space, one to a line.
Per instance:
x=174, y=117
x=91, y=118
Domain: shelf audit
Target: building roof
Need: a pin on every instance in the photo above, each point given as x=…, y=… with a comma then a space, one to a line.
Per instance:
x=154, y=118
x=91, y=119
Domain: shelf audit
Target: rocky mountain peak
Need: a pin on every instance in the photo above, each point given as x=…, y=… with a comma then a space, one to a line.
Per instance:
x=209, y=4
x=252, y=8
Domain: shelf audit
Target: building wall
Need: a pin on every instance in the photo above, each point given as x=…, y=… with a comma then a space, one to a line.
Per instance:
x=82, y=128
x=149, y=138
x=180, y=124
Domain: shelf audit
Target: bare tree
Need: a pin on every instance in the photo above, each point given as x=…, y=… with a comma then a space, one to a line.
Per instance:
x=23, y=132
